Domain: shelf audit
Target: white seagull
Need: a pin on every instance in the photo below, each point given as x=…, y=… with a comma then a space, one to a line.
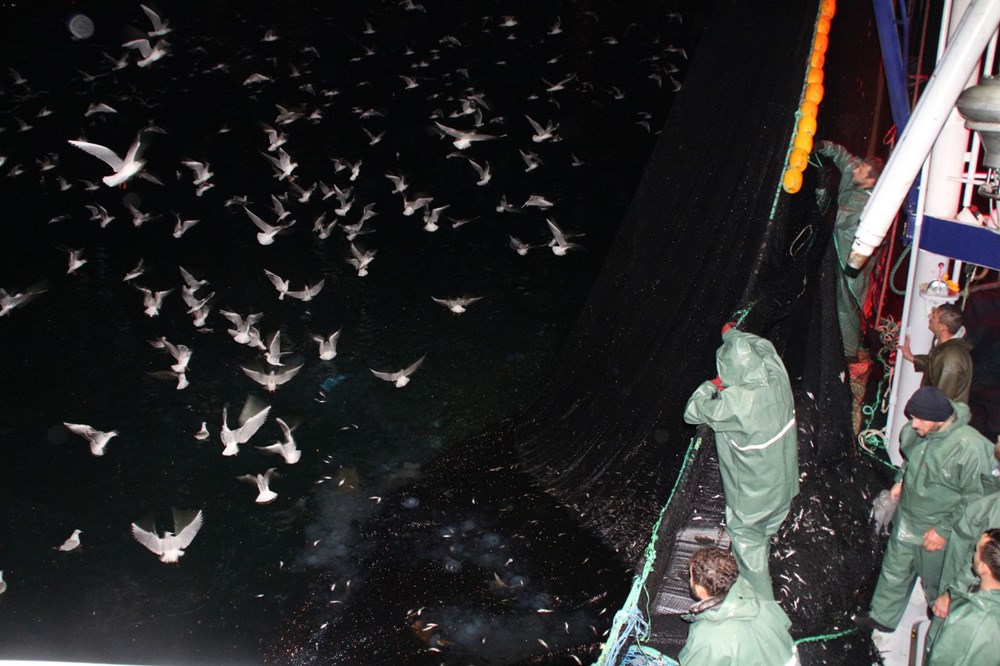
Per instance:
x=152, y=301
x=327, y=345
x=309, y=292
x=98, y=440
x=464, y=139
x=456, y=305
x=401, y=377
x=170, y=547
x=124, y=168
x=160, y=27
x=361, y=259
x=264, y=493
x=232, y=439
x=279, y=283
x=267, y=231
x=560, y=243
x=242, y=331
x=286, y=449
x=72, y=543
x=273, y=379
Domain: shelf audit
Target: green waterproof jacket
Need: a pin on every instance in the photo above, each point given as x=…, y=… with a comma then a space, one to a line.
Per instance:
x=979, y=516
x=948, y=366
x=970, y=636
x=851, y=198
x=743, y=630
x=942, y=474
x=754, y=423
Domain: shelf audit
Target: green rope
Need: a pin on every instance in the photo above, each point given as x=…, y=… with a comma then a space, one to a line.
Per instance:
x=826, y=637
x=617, y=636
x=895, y=267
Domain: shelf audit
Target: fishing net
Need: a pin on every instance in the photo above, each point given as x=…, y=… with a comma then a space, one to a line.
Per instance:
x=708, y=238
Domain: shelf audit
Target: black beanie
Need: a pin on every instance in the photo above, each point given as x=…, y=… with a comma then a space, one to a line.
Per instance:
x=928, y=404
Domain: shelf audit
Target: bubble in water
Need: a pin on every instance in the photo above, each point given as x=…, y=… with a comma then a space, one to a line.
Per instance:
x=452, y=565
x=411, y=503
x=80, y=26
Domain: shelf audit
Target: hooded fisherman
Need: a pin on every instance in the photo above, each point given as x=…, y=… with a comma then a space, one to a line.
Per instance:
x=730, y=623
x=750, y=408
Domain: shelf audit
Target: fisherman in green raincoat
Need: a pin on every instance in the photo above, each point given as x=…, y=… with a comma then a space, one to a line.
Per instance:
x=979, y=516
x=971, y=634
x=730, y=624
x=857, y=178
x=750, y=408
x=946, y=462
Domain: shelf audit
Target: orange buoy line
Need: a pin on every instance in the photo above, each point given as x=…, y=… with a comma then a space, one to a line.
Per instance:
x=812, y=94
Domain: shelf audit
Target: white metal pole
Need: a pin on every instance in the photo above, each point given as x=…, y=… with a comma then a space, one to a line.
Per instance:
x=939, y=196
x=965, y=48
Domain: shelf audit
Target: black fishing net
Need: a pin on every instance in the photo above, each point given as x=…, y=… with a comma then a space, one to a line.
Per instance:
x=706, y=239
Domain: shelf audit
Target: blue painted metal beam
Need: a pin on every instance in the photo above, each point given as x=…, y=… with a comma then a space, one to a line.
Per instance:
x=971, y=244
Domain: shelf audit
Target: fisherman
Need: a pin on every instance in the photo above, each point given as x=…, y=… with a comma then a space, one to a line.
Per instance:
x=731, y=623
x=948, y=365
x=945, y=463
x=980, y=515
x=858, y=177
x=971, y=634
x=750, y=408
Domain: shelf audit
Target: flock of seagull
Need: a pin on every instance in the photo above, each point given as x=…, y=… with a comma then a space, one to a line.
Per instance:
x=464, y=127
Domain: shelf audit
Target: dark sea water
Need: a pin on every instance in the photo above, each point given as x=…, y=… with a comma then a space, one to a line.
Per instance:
x=80, y=353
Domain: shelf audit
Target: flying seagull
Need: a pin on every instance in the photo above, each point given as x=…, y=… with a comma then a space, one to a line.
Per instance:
x=456, y=305
x=233, y=438
x=402, y=377
x=264, y=493
x=98, y=440
x=286, y=449
x=170, y=547
x=124, y=168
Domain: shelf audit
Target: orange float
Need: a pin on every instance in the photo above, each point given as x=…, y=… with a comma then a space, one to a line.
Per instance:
x=828, y=8
x=821, y=42
x=792, y=180
x=823, y=26
x=810, y=109
x=814, y=75
x=814, y=93
x=798, y=159
x=806, y=125
x=817, y=59
x=804, y=142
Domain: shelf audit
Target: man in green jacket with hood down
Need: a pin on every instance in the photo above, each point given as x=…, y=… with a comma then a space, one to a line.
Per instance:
x=730, y=624
x=945, y=464
x=857, y=178
x=971, y=634
x=979, y=516
x=750, y=408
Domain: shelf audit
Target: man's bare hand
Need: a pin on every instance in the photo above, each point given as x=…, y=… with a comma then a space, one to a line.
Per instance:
x=896, y=491
x=905, y=348
x=941, y=605
x=934, y=541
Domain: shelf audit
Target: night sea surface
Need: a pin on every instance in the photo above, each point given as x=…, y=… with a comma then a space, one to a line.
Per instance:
x=79, y=352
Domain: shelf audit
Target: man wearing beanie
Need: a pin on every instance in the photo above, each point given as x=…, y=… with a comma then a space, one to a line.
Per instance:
x=945, y=463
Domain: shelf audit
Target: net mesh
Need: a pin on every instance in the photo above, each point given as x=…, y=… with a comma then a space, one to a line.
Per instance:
x=705, y=240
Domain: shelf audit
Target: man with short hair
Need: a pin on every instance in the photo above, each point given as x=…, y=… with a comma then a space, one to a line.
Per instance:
x=945, y=463
x=948, y=365
x=730, y=623
x=750, y=408
x=980, y=515
x=971, y=634
x=857, y=178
